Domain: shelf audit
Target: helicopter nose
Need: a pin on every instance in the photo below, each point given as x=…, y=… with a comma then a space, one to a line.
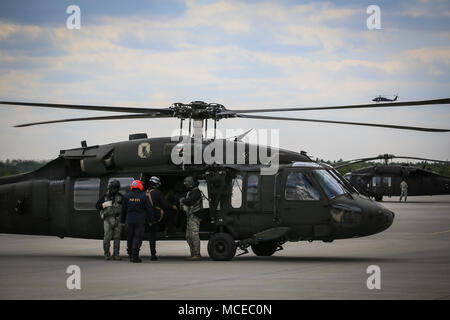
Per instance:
x=389, y=216
x=380, y=219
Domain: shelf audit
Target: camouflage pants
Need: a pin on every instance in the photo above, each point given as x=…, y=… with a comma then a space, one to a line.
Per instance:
x=112, y=229
x=403, y=193
x=193, y=234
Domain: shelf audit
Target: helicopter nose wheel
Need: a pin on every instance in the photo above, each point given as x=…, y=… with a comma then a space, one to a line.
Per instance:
x=221, y=247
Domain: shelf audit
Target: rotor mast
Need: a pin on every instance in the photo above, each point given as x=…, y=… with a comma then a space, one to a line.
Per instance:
x=198, y=113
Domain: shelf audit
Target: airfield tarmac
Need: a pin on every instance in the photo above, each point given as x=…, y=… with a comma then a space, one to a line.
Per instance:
x=413, y=255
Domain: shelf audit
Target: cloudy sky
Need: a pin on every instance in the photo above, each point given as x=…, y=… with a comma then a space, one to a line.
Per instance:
x=242, y=54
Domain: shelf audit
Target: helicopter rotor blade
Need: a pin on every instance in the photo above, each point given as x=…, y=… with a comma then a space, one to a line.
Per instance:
x=354, y=161
x=423, y=159
x=239, y=115
x=88, y=107
x=371, y=105
x=343, y=165
x=119, y=117
x=385, y=157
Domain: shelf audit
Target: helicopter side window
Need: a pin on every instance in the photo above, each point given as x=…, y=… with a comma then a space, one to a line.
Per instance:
x=125, y=183
x=376, y=181
x=236, y=195
x=387, y=181
x=300, y=187
x=86, y=193
x=252, y=191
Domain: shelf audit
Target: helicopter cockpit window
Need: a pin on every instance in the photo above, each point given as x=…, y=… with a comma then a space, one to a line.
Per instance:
x=300, y=187
x=125, y=183
x=329, y=183
x=86, y=193
x=236, y=196
x=252, y=190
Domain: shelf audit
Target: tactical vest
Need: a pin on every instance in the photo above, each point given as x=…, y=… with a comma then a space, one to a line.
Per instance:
x=113, y=210
x=196, y=206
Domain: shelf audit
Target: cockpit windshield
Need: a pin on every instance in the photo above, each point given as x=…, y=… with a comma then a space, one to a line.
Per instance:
x=330, y=185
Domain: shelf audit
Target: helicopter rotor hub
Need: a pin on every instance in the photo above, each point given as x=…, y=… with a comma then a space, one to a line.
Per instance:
x=198, y=110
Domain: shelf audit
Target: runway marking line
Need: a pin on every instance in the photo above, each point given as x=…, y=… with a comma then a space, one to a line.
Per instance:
x=441, y=232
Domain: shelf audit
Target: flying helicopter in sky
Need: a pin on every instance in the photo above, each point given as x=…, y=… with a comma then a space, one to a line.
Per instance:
x=302, y=200
x=384, y=179
x=384, y=99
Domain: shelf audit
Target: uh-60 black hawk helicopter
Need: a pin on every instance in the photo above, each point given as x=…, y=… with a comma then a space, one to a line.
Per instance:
x=380, y=98
x=302, y=200
x=384, y=179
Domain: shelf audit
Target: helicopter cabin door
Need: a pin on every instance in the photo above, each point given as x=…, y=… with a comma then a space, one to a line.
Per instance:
x=303, y=206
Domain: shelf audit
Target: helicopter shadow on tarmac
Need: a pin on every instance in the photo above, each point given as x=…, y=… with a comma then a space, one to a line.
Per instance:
x=181, y=258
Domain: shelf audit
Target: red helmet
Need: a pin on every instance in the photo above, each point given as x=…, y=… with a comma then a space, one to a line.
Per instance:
x=137, y=184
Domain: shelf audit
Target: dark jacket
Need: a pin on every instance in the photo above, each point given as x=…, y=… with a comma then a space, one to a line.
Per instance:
x=193, y=197
x=159, y=200
x=136, y=207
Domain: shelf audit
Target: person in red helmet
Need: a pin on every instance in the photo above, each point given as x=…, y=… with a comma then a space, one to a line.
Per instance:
x=135, y=208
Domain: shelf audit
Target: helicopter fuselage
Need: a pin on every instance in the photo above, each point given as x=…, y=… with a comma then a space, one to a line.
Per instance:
x=303, y=200
x=384, y=180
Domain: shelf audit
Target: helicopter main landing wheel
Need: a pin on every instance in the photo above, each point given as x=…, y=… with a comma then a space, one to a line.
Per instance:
x=378, y=198
x=221, y=247
x=265, y=249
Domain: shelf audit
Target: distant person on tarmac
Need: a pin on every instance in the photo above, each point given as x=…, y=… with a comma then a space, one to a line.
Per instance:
x=404, y=190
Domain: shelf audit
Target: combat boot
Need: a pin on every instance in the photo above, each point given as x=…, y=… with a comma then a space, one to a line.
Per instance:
x=135, y=257
x=106, y=251
x=154, y=258
x=117, y=258
x=194, y=258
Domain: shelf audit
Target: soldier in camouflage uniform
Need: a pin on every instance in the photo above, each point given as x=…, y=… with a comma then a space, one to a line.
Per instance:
x=403, y=190
x=193, y=205
x=110, y=206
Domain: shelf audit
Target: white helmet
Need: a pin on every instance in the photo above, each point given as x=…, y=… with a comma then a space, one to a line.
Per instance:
x=154, y=182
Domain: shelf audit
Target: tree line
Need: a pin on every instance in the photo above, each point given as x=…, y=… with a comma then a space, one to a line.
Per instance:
x=16, y=166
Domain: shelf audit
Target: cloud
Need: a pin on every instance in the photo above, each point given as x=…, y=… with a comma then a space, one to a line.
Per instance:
x=241, y=54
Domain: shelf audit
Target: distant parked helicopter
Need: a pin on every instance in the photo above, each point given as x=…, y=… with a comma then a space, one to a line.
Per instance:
x=384, y=99
x=384, y=180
